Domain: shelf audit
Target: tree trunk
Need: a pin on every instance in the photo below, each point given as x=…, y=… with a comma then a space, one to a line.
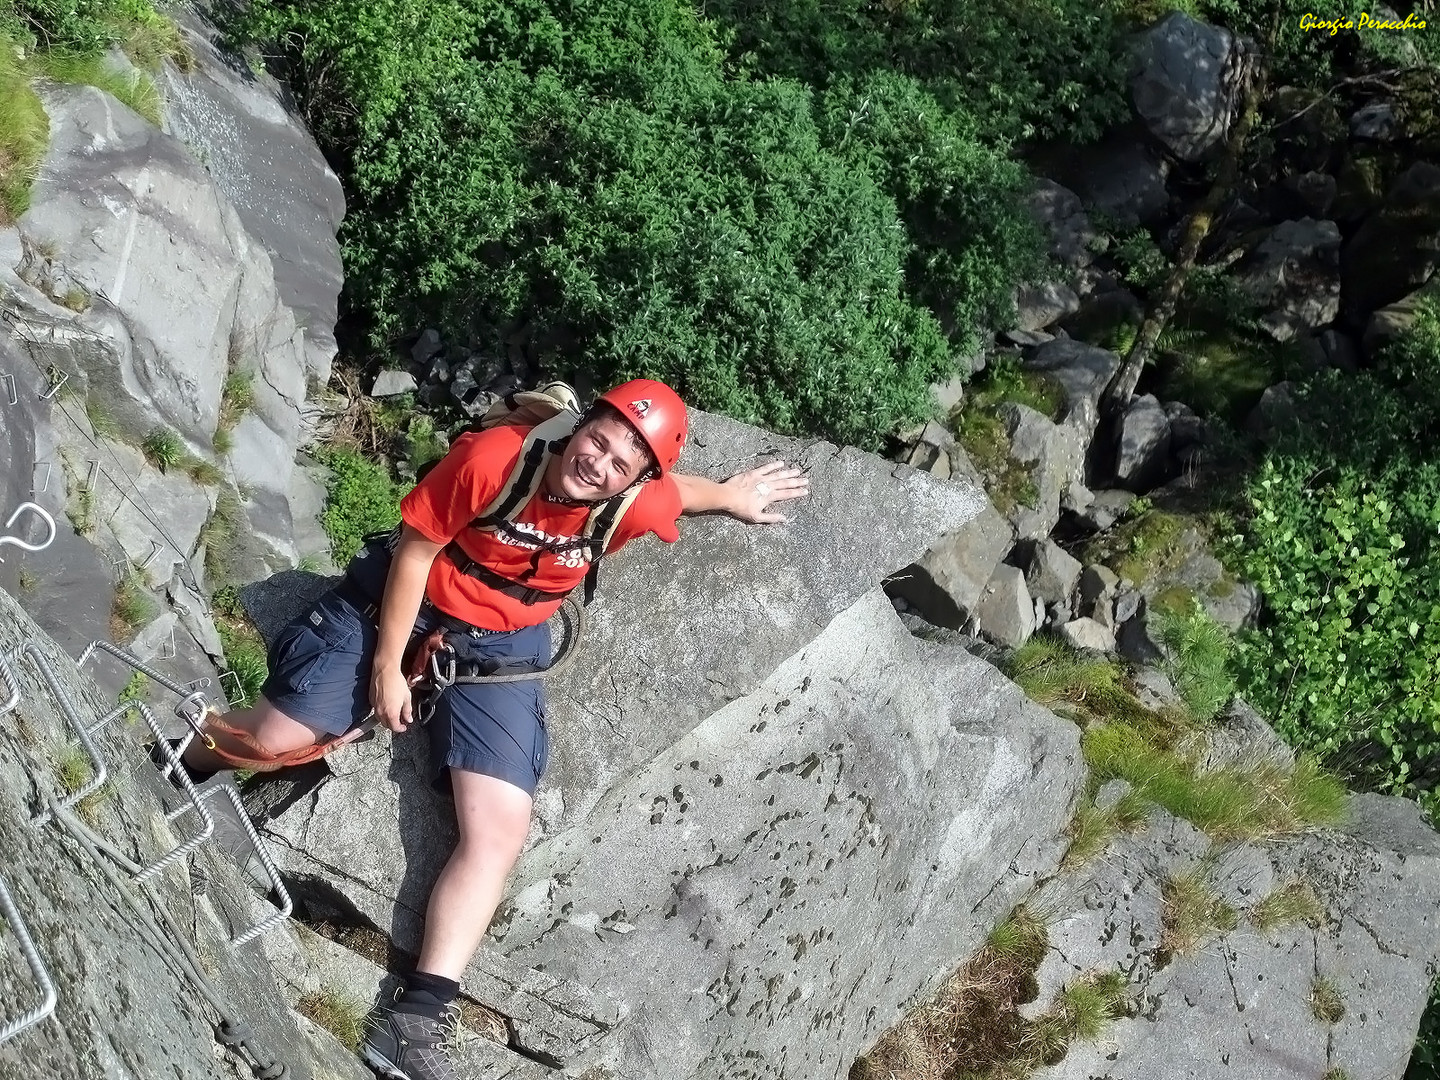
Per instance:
x=1121, y=387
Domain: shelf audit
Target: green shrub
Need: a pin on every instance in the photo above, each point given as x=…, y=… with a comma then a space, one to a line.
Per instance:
x=781, y=252
x=1343, y=540
x=24, y=133
x=134, y=89
x=360, y=499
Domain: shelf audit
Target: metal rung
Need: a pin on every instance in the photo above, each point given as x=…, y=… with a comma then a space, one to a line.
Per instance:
x=207, y=823
x=54, y=387
x=37, y=657
x=45, y=486
x=8, y=678
x=37, y=968
x=239, y=697
x=9, y=381
x=194, y=702
x=282, y=912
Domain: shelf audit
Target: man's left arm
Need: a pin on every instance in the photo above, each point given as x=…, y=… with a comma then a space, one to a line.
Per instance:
x=746, y=495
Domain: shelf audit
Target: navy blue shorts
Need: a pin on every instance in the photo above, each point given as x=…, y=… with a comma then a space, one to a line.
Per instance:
x=320, y=676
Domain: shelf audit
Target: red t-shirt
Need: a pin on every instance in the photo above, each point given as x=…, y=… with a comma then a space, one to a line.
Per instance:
x=464, y=482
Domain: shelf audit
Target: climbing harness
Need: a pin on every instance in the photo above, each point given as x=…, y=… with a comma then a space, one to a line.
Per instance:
x=25, y=545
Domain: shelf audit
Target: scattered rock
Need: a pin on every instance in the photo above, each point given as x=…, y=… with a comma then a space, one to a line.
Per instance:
x=1005, y=611
x=1375, y=122
x=392, y=383
x=946, y=585
x=1124, y=179
x=1313, y=191
x=1135, y=642
x=1076, y=498
x=1143, y=452
x=1088, y=634
x=1055, y=454
x=1111, y=793
x=1128, y=601
x=932, y=451
x=1295, y=272
x=1051, y=572
x=950, y=394
x=1154, y=690
x=1393, y=320
x=1108, y=506
x=1062, y=216
x=1186, y=429
x=1183, y=87
x=1039, y=306
x=1239, y=735
x=1274, y=412
x=1027, y=339
x=1082, y=371
x=427, y=347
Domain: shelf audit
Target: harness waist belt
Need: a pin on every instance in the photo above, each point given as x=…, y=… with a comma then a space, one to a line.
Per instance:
x=524, y=593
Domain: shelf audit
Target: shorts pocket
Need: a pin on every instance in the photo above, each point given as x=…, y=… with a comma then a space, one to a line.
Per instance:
x=305, y=647
x=541, y=756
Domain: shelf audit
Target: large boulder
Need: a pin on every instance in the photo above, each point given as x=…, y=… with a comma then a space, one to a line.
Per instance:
x=945, y=586
x=676, y=633
x=807, y=861
x=1082, y=371
x=1398, y=247
x=1006, y=611
x=1183, y=86
x=1295, y=274
x=1142, y=451
x=1123, y=178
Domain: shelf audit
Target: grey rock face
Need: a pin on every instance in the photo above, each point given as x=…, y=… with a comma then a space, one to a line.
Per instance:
x=1181, y=88
x=1296, y=273
x=123, y=1011
x=1143, y=451
x=1006, y=611
x=749, y=858
x=270, y=169
x=675, y=633
x=1240, y=1006
x=1106, y=508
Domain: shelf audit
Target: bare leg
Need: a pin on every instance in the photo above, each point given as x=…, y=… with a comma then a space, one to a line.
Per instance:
x=494, y=819
x=271, y=728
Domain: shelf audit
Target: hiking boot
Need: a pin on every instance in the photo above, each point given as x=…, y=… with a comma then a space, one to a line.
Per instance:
x=404, y=1045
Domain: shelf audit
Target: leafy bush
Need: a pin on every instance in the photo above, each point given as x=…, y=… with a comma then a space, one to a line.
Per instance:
x=360, y=499
x=1343, y=539
x=782, y=252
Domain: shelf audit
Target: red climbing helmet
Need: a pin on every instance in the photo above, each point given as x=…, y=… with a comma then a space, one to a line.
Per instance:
x=657, y=413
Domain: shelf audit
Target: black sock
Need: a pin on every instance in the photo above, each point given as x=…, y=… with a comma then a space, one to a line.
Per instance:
x=428, y=994
x=157, y=755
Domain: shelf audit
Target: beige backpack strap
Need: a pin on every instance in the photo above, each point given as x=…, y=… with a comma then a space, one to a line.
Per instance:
x=605, y=519
x=525, y=478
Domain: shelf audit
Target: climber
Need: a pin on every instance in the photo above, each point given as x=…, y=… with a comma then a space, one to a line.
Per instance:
x=477, y=557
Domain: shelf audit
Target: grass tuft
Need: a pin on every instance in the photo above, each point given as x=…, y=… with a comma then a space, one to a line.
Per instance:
x=224, y=524
x=24, y=135
x=164, y=449
x=203, y=472
x=133, y=606
x=1236, y=802
x=337, y=1013
x=1191, y=912
x=1294, y=902
x=237, y=396
x=101, y=422
x=245, y=651
x=133, y=89
x=1020, y=940
x=1093, y=827
x=1326, y=1004
x=1051, y=672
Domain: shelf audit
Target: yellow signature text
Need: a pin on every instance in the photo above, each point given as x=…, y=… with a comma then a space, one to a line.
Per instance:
x=1366, y=21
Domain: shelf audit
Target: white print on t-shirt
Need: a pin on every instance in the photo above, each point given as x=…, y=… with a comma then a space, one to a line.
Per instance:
x=572, y=558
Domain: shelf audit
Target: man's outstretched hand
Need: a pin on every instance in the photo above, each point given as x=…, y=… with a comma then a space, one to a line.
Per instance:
x=753, y=491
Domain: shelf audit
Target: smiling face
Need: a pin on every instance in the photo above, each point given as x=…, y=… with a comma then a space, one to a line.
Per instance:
x=603, y=458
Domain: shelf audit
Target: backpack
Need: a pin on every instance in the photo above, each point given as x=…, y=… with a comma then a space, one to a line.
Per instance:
x=551, y=412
